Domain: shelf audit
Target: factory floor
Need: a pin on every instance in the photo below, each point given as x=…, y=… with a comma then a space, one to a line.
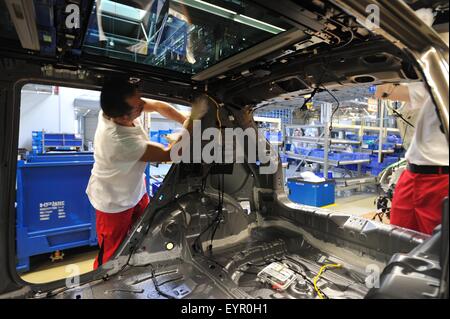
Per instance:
x=359, y=204
x=44, y=270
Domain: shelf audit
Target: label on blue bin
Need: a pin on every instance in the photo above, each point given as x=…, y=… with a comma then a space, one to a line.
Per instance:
x=46, y=209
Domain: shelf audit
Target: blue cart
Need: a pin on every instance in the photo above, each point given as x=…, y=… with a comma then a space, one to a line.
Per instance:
x=53, y=210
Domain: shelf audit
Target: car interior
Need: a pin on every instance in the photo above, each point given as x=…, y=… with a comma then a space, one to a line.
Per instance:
x=221, y=230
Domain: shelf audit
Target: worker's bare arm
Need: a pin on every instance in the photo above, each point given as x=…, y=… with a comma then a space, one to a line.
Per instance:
x=393, y=92
x=165, y=109
x=159, y=153
x=156, y=152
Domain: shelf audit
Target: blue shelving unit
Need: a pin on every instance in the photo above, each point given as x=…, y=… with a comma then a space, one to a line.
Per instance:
x=43, y=142
x=159, y=136
x=284, y=114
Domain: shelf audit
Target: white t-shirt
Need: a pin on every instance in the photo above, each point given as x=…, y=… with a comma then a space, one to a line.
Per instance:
x=429, y=145
x=117, y=180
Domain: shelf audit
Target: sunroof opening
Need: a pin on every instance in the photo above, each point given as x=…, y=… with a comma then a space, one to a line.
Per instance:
x=182, y=35
x=7, y=29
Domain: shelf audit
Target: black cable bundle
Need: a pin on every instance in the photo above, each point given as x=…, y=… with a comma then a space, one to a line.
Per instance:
x=218, y=219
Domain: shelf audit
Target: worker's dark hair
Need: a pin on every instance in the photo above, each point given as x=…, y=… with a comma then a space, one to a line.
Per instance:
x=115, y=91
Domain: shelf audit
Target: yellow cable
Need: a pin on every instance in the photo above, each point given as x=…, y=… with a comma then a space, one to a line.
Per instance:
x=218, y=118
x=317, y=277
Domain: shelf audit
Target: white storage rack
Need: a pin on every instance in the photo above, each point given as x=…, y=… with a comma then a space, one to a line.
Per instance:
x=337, y=144
x=328, y=144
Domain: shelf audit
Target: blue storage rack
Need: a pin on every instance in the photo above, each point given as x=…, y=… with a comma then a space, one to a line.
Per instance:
x=376, y=168
x=154, y=136
x=330, y=175
x=53, y=210
x=389, y=160
x=284, y=114
x=42, y=141
x=357, y=156
x=273, y=136
x=155, y=187
x=341, y=156
x=394, y=139
x=375, y=171
x=386, y=146
x=159, y=136
x=351, y=136
x=316, y=194
x=155, y=182
x=162, y=136
x=319, y=153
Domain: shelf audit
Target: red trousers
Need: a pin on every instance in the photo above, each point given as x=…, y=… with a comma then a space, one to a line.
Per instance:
x=112, y=228
x=418, y=199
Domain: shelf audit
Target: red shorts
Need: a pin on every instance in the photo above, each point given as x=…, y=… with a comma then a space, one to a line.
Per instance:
x=112, y=228
x=418, y=200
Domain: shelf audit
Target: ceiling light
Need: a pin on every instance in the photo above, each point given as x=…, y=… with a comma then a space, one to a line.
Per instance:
x=257, y=24
x=208, y=7
x=122, y=10
x=231, y=15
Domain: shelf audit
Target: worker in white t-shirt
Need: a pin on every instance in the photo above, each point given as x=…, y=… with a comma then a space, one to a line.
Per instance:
x=122, y=149
x=419, y=193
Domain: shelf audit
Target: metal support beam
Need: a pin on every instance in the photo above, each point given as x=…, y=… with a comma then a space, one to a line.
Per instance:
x=381, y=133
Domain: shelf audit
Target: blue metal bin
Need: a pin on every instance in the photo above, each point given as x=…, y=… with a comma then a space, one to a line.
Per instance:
x=316, y=194
x=53, y=210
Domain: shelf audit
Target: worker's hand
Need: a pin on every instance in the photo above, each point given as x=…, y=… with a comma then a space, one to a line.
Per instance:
x=173, y=137
x=199, y=108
